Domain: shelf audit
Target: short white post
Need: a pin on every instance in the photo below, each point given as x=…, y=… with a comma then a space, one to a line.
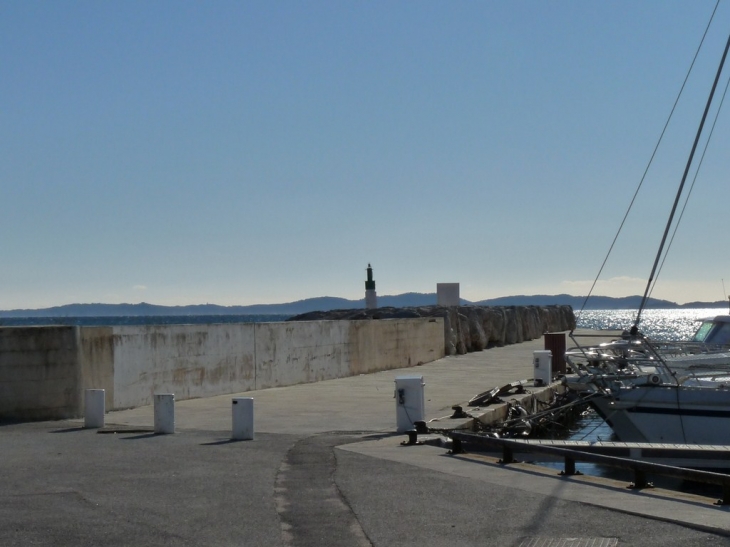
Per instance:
x=94, y=408
x=164, y=413
x=242, y=418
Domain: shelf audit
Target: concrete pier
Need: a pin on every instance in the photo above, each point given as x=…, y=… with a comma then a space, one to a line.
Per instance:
x=325, y=469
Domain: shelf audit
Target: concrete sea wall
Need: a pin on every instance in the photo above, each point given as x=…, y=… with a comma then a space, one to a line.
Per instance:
x=39, y=372
x=471, y=328
x=45, y=370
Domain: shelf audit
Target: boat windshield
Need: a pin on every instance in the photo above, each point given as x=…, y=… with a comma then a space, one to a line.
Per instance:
x=720, y=335
x=713, y=331
x=702, y=331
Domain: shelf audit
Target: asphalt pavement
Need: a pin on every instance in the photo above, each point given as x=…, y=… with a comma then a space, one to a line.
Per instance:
x=325, y=468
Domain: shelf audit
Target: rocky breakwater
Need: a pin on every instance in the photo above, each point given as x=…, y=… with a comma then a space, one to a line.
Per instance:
x=470, y=328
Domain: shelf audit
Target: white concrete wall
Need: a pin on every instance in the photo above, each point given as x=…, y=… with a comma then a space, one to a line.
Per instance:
x=394, y=343
x=187, y=360
x=300, y=352
x=44, y=370
x=95, y=360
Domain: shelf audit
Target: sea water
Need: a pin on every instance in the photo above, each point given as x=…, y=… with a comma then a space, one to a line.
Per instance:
x=663, y=325
x=108, y=321
x=657, y=324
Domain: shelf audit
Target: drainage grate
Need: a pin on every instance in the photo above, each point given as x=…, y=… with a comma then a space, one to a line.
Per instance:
x=568, y=542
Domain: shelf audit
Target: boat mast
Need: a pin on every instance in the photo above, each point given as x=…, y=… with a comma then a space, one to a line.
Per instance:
x=635, y=328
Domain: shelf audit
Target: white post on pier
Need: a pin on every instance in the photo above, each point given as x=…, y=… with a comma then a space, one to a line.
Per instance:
x=164, y=413
x=242, y=419
x=410, y=406
x=94, y=408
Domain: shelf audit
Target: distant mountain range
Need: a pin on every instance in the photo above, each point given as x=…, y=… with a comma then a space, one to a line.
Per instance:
x=327, y=303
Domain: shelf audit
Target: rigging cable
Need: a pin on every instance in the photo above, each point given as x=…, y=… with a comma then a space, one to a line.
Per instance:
x=635, y=328
x=689, y=193
x=651, y=159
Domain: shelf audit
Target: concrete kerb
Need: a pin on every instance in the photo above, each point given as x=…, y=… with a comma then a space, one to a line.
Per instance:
x=689, y=510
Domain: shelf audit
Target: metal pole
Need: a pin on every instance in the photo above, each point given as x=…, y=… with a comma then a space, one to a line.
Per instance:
x=681, y=187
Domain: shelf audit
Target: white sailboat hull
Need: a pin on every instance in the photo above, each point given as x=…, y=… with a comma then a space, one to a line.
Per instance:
x=669, y=414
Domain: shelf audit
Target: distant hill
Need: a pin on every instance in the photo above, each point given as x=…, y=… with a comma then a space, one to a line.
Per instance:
x=594, y=303
x=327, y=303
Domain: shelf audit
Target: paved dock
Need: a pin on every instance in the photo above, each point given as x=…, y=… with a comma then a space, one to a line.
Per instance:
x=325, y=469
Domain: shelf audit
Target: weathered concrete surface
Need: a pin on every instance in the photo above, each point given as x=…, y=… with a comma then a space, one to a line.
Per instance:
x=96, y=361
x=187, y=360
x=39, y=373
x=44, y=370
x=292, y=353
x=471, y=328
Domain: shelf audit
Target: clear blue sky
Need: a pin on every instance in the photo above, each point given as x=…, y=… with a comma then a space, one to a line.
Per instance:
x=180, y=152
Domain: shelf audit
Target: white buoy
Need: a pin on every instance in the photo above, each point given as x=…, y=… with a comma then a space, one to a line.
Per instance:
x=242, y=418
x=164, y=413
x=94, y=408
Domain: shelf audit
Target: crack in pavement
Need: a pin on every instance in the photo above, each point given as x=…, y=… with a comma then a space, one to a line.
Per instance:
x=311, y=508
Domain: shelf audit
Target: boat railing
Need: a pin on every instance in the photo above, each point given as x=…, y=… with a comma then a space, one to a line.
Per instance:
x=684, y=348
x=639, y=468
x=631, y=359
x=636, y=358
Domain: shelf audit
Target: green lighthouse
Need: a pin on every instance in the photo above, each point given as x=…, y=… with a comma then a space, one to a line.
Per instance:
x=371, y=297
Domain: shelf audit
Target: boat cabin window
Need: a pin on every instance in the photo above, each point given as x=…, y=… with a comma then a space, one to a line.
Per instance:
x=720, y=335
x=702, y=331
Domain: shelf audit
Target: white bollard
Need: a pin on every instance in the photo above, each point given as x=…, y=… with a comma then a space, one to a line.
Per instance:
x=164, y=413
x=94, y=408
x=242, y=418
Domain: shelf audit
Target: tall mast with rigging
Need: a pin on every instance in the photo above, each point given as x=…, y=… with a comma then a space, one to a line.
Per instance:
x=635, y=328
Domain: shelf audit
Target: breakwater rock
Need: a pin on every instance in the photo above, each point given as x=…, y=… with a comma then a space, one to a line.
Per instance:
x=470, y=328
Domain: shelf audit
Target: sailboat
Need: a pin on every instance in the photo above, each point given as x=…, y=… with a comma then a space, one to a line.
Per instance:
x=661, y=392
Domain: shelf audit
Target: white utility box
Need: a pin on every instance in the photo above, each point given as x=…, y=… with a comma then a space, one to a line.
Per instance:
x=410, y=405
x=543, y=362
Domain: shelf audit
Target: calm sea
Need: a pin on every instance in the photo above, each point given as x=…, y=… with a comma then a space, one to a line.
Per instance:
x=657, y=324
x=139, y=320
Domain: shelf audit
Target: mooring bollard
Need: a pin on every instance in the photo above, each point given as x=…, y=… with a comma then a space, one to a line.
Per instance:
x=164, y=413
x=242, y=418
x=94, y=408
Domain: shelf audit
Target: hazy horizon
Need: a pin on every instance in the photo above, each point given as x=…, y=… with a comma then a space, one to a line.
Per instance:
x=721, y=301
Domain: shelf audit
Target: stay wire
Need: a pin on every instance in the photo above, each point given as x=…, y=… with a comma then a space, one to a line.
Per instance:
x=679, y=220
x=668, y=226
x=651, y=160
x=694, y=180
